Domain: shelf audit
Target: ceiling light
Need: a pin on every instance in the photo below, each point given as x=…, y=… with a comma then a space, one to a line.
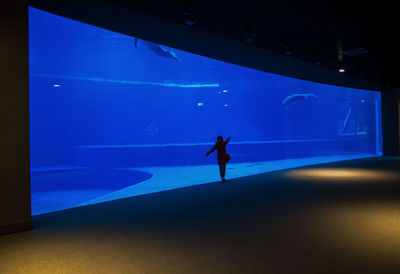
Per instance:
x=356, y=51
x=189, y=22
x=316, y=58
x=187, y=12
x=287, y=49
x=249, y=39
x=341, y=68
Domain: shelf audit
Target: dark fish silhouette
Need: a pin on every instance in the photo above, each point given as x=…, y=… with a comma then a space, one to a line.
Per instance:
x=296, y=97
x=159, y=49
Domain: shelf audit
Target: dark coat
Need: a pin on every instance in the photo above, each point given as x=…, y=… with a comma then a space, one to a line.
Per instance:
x=220, y=146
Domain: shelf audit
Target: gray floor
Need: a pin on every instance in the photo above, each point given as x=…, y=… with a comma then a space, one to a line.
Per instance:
x=333, y=218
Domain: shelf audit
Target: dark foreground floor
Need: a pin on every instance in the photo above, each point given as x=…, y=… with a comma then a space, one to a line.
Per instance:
x=334, y=218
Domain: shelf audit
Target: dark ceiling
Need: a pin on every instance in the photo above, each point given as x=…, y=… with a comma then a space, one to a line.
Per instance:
x=308, y=30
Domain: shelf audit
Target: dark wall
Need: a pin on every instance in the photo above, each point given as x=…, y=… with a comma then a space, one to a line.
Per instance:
x=390, y=122
x=15, y=211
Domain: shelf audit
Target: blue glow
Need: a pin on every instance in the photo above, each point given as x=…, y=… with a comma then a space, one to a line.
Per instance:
x=131, y=117
x=128, y=82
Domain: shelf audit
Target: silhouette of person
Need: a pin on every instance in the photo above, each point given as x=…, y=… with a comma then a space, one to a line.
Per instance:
x=222, y=156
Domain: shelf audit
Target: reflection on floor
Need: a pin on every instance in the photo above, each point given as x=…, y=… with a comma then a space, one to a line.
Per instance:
x=167, y=178
x=286, y=221
x=163, y=178
x=63, y=187
x=49, y=201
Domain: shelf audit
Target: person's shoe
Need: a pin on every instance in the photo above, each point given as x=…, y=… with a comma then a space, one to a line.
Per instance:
x=223, y=180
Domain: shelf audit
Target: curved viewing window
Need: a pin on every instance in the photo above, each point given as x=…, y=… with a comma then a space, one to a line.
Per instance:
x=112, y=116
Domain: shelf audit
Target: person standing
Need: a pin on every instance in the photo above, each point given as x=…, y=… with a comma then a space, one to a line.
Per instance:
x=222, y=156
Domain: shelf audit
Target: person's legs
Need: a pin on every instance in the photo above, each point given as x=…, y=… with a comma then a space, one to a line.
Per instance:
x=222, y=169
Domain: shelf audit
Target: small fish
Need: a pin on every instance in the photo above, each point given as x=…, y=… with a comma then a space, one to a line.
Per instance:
x=296, y=97
x=159, y=50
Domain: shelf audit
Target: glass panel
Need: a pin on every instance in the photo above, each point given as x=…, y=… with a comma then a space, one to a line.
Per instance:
x=112, y=116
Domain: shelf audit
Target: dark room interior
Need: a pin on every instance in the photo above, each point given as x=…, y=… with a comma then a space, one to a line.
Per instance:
x=336, y=215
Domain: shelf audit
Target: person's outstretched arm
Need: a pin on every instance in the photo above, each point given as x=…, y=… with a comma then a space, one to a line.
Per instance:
x=211, y=151
x=227, y=140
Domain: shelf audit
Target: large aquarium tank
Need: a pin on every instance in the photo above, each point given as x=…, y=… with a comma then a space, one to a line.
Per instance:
x=113, y=116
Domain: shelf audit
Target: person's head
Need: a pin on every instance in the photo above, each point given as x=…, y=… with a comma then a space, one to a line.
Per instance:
x=219, y=138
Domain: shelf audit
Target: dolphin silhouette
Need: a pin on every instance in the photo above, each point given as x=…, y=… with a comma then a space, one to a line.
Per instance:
x=159, y=50
x=296, y=97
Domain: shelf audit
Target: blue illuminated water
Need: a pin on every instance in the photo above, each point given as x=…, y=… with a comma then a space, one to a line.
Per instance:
x=112, y=116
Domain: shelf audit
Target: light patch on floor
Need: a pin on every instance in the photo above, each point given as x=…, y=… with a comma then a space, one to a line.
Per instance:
x=343, y=175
